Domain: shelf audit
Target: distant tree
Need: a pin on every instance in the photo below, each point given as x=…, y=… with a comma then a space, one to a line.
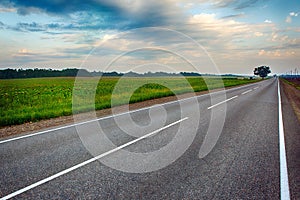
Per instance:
x=189, y=74
x=262, y=71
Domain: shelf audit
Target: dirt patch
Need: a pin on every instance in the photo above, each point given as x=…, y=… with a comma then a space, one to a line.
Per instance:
x=293, y=81
x=293, y=95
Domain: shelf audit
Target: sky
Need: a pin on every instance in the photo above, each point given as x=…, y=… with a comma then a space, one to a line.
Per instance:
x=212, y=36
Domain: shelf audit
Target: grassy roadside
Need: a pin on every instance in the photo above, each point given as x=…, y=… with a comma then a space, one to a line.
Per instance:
x=25, y=100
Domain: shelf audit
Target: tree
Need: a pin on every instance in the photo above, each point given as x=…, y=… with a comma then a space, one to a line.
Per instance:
x=262, y=71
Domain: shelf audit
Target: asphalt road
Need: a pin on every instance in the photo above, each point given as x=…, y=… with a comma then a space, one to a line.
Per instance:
x=197, y=148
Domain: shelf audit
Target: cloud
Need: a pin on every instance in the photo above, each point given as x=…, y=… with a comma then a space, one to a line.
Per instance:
x=75, y=26
x=258, y=34
x=281, y=38
x=121, y=14
x=288, y=19
x=221, y=26
x=218, y=35
x=2, y=25
x=293, y=14
x=246, y=4
x=27, y=57
x=224, y=3
x=27, y=10
x=58, y=28
x=23, y=51
x=236, y=4
x=33, y=27
x=268, y=21
x=234, y=16
x=277, y=53
x=4, y=10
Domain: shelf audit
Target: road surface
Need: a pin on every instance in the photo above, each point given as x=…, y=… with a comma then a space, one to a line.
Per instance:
x=242, y=161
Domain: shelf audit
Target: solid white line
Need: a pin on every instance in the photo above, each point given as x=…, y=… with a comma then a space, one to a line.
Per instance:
x=87, y=161
x=247, y=92
x=284, y=182
x=46, y=131
x=110, y=116
x=80, y=123
x=221, y=102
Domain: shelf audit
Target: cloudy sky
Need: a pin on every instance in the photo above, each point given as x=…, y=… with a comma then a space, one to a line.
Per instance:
x=234, y=35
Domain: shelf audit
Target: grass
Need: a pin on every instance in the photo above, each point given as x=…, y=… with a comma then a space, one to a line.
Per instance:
x=26, y=100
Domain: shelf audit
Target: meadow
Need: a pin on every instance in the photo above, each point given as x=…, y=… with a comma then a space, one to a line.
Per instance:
x=26, y=100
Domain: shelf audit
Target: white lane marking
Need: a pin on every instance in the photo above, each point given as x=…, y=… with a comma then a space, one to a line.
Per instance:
x=110, y=116
x=46, y=131
x=247, y=91
x=284, y=181
x=88, y=161
x=221, y=102
x=255, y=88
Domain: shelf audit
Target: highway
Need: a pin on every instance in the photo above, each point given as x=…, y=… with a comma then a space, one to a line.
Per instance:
x=218, y=146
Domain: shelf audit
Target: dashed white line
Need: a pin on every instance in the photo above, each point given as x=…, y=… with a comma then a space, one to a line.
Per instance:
x=88, y=161
x=284, y=182
x=255, y=88
x=221, y=102
x=246, y=92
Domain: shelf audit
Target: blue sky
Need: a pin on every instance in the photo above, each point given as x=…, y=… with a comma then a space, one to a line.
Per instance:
x=234, y=35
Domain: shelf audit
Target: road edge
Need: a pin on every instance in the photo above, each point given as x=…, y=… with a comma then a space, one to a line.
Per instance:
x=284, y=181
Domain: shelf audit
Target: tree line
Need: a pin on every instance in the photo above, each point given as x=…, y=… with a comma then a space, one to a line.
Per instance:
x=73, y=72
x=37, y=73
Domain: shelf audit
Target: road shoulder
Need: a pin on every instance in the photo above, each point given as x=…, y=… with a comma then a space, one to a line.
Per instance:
x=292, y=139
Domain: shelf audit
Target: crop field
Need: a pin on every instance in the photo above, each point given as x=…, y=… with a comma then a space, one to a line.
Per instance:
x=25, y=100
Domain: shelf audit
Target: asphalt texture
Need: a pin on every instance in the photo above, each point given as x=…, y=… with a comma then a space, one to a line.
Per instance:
x=242, y=160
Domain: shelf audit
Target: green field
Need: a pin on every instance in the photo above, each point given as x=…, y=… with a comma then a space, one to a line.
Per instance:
x=25, y=100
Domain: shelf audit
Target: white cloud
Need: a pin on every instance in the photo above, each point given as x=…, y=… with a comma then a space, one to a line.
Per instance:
x=258, y=34
x=274, y=37
x=7, y=10
x=24, y=51
x=224, y=37
x=268, y=21
x=222, y=26
x=288, y=19
x=276, y=53
x=261, y=52
x=293, y=14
